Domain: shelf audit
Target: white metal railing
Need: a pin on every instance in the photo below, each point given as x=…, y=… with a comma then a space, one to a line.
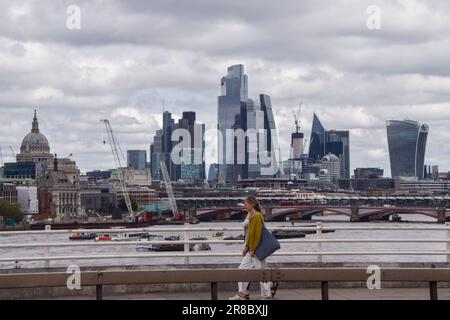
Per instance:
x=317, y=238
x=200, y=229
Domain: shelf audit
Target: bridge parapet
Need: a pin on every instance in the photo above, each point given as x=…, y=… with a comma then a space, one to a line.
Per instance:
x=99, y=279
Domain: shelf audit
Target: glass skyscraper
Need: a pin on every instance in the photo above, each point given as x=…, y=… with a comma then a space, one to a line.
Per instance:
x=336, y=142
x=137, y=159
x=239, y=158
x=192, y=158
x=407, y=142
x=272, y=140
x=234, y=90
x=317, y=141
x=253, y=119
x=193, y=163
x=156, y=153
x=168, y=127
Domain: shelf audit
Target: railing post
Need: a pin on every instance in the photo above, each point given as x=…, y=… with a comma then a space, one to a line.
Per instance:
x=324, y=285
x=48, y=227
x=319, y=244
x=214, y=295
x=433, y=290
x=47, y=254
x=99, y=292
x=186, y=245
x=448, y=243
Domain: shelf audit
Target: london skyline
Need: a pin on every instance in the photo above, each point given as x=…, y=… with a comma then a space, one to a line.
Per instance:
x=74, y=78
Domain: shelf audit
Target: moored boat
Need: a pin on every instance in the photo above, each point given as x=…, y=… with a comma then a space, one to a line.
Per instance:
x=83, y=236
x=194, y=220
x=126, y=237
x=199, y=246
x=103, y=237
x=239, y=237
x=175, y=246
x=218, y=235
x=288, y=234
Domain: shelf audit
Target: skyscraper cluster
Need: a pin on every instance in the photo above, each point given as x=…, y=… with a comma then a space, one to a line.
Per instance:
x=248, y=145
x=184, y=156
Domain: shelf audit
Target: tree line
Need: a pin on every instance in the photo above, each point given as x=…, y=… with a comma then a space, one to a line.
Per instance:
x=11, y=212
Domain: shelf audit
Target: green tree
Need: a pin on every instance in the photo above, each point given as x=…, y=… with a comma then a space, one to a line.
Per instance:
x=10, y=211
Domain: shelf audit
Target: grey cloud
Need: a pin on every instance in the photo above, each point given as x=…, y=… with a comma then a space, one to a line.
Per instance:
x=132, y=55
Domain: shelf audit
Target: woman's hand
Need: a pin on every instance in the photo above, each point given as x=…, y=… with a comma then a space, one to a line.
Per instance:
x=252, y=253
x=244, y=253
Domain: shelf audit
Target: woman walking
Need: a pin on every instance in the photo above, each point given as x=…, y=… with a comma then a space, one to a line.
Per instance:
x=253, y=226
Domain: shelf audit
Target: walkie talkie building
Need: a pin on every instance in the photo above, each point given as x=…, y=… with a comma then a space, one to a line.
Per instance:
x=407, y=142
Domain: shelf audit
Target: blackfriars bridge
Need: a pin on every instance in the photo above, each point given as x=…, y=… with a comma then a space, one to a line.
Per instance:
x=358, y=209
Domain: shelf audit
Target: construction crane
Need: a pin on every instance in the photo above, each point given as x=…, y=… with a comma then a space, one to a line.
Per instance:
x=1, y=157
x=170, y=195
x=297, y=118
x=115, y=148
x=12, y=152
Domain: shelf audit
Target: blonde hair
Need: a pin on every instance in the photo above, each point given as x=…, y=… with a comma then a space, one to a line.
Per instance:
x=255, y=203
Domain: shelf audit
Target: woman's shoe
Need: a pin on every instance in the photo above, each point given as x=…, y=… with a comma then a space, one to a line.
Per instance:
x=274, y=288
x=240, y=297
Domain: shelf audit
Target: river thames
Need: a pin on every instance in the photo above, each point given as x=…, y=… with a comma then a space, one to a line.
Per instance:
x=328, y=221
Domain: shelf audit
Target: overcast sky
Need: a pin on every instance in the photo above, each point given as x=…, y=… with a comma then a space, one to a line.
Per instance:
x=129, y=56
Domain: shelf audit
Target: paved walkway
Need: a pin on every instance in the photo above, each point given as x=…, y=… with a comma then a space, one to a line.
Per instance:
x=296, y=294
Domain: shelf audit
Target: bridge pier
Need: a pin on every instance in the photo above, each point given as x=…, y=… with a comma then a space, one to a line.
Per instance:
x=441, y=215
x=224, y=216
x=354, y=216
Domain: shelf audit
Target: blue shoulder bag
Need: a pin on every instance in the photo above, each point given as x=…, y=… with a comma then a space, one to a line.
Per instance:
x=268, y=245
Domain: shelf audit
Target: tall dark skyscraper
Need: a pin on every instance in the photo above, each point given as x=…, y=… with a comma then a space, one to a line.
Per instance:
x=168, y=124
x=337, y=142
x=317, y=141
x=269, y=121
x=252, y=118
x=407, y=142
x=237, y=112
x=192, y=166
x=272, y=144
x=156, y=154
x=193, y=169
x=325, y=141
x=234, y=90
